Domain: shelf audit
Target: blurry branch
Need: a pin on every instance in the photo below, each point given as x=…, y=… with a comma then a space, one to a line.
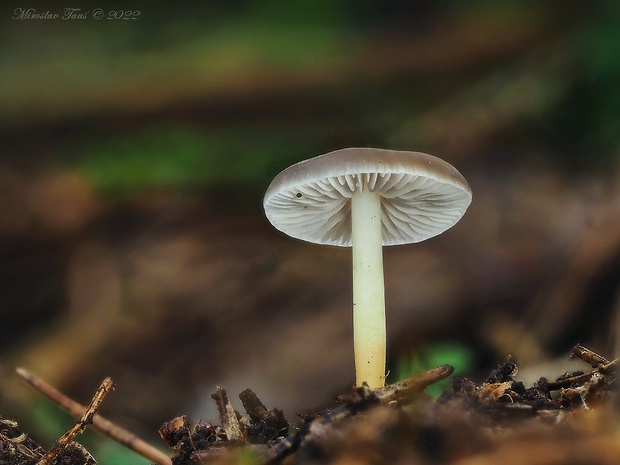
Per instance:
x=524, y=89
x=94, y=294
x=130, y=81
x=580, y=268
x=596, y=245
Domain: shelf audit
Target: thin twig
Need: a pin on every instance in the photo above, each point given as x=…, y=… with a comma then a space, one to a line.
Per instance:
x=104, y=426
x=87, y=418
x=579, y=379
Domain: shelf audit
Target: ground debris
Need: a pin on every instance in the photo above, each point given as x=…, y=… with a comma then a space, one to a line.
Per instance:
x=498, y=421
x=501, y=395
x=266, y=434
x=265, y=425
x=188, y=443
x=17, y=448
x=88, y=416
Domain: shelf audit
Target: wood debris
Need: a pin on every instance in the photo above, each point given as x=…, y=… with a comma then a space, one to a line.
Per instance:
x=89, y=416
x=266, y=433
x=398, y=425
x=502, y=395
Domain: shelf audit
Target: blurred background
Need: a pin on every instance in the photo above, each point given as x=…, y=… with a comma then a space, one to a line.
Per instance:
x=135, y=150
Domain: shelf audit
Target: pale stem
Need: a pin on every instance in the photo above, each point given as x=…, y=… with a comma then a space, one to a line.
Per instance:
x=369, y=333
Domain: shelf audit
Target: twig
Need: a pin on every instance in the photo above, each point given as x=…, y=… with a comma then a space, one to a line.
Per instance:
x=87, y=418
x=104, y=426
x=416, y=383
x=578, y=379
x=362, y=398
x=595, y=360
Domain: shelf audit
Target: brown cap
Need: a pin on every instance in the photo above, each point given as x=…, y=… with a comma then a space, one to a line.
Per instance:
x=421, y=195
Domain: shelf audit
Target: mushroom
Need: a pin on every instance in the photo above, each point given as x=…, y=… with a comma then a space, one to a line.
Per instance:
x=366, y=198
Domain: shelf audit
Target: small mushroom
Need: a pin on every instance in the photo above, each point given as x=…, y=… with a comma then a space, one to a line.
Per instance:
x=366, y=198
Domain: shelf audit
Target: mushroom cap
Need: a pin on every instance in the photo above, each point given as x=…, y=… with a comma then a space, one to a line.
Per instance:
x=421, y=195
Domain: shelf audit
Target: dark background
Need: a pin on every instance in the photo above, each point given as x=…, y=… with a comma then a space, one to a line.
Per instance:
x=134, y=154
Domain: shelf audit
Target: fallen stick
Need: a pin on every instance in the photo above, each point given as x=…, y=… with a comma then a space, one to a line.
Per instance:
x=104, y=426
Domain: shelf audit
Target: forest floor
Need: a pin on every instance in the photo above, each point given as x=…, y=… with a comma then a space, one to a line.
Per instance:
x=566, y=421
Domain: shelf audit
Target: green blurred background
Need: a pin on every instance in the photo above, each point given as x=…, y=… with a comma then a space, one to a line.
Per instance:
x=134, y=153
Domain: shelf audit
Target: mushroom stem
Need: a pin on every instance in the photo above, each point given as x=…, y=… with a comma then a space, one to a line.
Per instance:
x=369, y=332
